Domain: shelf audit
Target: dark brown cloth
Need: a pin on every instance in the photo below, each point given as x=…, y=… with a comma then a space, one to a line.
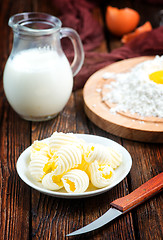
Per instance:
x=154, y=1
x=149, y=43
x=78, y=15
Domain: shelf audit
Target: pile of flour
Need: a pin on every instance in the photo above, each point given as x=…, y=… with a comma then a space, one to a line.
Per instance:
x=135, y=92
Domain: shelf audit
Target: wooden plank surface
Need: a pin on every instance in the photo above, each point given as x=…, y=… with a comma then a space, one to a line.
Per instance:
x=28, y=214
x=14, y=138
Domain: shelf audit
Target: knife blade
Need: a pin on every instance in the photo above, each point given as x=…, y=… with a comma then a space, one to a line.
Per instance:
x=125, y=204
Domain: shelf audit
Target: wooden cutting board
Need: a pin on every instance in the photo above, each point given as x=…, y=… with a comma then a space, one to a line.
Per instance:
x=148, y=129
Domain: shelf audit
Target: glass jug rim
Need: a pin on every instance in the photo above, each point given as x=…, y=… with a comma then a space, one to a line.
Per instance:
x=20, y=22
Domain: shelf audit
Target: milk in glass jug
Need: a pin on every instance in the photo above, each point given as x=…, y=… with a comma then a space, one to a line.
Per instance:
x=38, y=78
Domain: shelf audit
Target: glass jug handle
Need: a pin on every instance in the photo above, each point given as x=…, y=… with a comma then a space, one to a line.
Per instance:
x=78, y=48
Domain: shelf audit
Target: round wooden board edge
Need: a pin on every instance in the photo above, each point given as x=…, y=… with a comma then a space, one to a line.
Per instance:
x=131, y=134
x=113, y=128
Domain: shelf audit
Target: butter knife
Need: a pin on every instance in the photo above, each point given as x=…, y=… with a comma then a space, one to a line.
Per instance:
x=125, y=204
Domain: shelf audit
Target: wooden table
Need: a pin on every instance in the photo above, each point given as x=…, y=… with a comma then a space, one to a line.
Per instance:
x=27, y=214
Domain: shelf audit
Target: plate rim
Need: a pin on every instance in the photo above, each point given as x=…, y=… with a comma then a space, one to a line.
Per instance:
x=58, y=194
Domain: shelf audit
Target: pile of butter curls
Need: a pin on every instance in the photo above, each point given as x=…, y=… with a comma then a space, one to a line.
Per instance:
x=69, y=162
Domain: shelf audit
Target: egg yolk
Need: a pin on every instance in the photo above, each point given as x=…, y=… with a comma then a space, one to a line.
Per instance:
x=157, y=77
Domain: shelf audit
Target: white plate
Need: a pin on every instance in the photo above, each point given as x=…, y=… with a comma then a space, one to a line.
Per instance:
x=120, y=172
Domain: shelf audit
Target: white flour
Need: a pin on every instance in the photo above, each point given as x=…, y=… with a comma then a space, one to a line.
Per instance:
x=135, y=92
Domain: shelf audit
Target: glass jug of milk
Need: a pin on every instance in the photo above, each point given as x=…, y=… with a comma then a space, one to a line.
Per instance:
x=38, y=78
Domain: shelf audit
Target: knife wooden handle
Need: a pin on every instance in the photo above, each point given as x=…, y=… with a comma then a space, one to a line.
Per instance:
x=141, y=194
